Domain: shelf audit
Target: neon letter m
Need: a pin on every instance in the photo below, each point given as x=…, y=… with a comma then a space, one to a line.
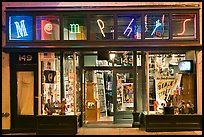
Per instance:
x=21, y=30
x=74, y=28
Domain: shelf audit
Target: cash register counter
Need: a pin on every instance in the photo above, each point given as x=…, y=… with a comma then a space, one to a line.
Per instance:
x=57, y=124
x=171, y=122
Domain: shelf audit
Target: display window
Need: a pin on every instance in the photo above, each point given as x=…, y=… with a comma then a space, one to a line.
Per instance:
x=58, y=100
x=172, y=83
x=74, y=28
x=47, y=28
x=102, y=27
x=50, y=78
x=20, y=28
x=156, y=26
x=184, y=26
x=129, y=27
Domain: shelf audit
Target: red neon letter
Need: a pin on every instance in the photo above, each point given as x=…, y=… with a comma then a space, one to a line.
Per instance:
x=184, y=27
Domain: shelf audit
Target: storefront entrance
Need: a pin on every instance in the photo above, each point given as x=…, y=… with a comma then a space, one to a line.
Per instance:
x=24, y=91
x=108, y=96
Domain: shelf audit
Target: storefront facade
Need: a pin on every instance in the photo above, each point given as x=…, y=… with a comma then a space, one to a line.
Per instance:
x=125, y=63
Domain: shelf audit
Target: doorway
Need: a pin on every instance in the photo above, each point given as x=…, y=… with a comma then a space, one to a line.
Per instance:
x=24, y=104
x=123, y=96
x=108, y=97
x=24, y=92
x=98, y=97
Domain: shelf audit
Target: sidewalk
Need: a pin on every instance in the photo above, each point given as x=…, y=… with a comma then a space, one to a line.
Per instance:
x=120, y=131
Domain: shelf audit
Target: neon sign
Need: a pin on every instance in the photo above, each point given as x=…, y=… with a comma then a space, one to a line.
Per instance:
x=74, y=28
x=101, y=26
x=146, y=23
x=156, y=26
x=128, y=27
x=20, y=28
x=48, y=28
x=184, y=27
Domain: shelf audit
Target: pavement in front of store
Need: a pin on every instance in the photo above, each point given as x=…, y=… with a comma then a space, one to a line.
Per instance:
x=120, y=131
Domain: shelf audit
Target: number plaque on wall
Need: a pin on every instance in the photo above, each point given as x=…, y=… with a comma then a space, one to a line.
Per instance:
x=26, y=58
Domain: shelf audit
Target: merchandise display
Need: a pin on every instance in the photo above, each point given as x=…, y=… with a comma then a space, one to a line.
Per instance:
x=166, y=82
x=50, y=81
x=101, y=93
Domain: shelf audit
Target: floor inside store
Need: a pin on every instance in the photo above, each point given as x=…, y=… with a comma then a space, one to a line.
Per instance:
x=106, y=122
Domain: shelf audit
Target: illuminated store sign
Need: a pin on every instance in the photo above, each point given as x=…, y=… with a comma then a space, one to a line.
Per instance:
x=20, y=28
x=184, y=27
x=156, y=31
x=48, y=28
x=129, y=28
x=156, y=26
x=74, y=28
x=101, y=26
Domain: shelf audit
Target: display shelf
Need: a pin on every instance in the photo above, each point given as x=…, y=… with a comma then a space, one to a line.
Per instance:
x=101, y=93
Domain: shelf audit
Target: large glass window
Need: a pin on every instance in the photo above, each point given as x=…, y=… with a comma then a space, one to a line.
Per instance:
x=156, y=26
x=47, y=28
x=184, y=26
x=50, y=77
x=102, y=27
x=172, y=83
x=75, y=28
x=20, y=28
x=129, y=27
x=58, y=100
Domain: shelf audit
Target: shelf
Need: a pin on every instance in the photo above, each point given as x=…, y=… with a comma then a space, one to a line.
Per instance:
x=101, y=93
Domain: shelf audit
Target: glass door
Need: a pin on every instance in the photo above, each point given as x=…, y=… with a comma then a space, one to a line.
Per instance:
x=25, y=107
x=123, y=97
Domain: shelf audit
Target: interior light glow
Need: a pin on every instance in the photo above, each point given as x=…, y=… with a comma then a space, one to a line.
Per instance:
x=112, y=56
x=101, y=26
x=184, y=27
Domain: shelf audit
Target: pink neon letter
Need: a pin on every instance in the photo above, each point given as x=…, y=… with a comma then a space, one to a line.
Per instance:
x=184, y=27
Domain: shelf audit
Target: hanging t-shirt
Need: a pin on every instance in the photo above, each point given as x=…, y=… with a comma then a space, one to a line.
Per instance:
x=49, y=76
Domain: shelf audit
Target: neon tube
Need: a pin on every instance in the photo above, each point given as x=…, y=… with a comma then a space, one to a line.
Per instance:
x=184, y=27
x=100, y=22
x=48, y=28
x=128, y=27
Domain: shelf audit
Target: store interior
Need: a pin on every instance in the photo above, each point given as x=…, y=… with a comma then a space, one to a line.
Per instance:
x=170, y=83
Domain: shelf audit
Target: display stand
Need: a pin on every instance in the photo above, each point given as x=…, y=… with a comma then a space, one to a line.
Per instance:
x=92, y=104
x=101, y=94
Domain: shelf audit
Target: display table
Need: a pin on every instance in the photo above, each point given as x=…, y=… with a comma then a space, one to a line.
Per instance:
x=170, y=122
x=57, y=124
